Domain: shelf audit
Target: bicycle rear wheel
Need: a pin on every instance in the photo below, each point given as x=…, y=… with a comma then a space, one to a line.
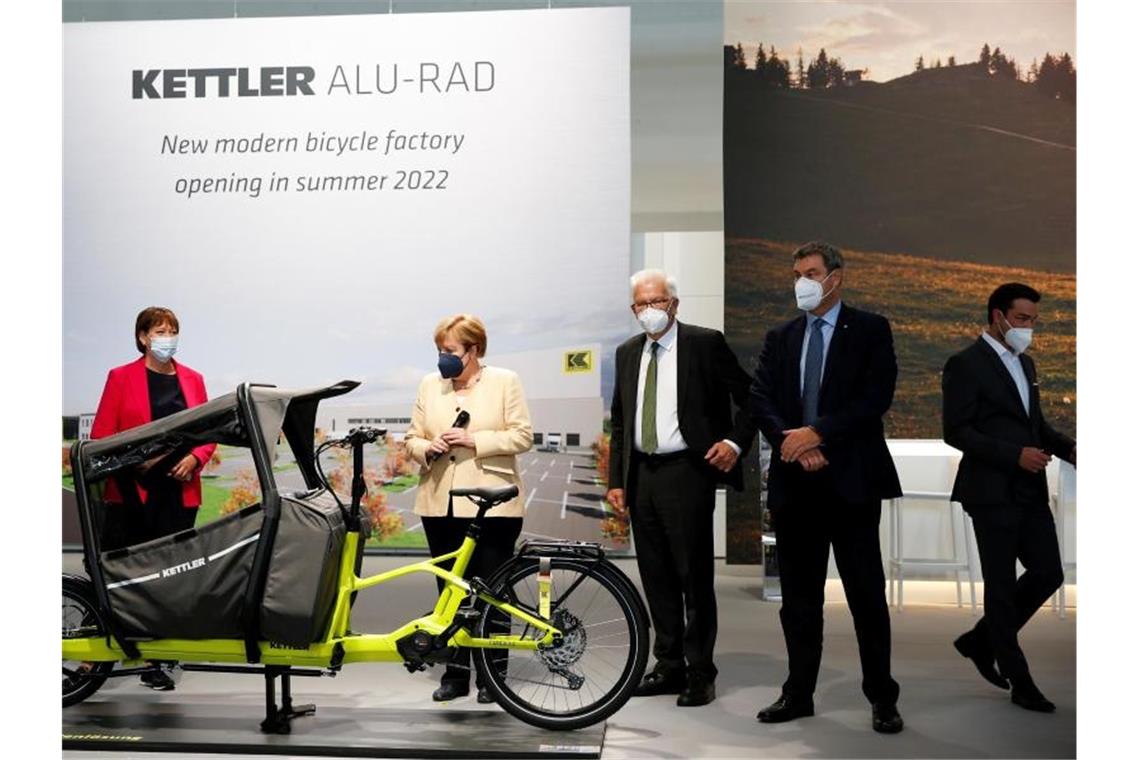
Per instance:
x=81, y=620
x=601, y=658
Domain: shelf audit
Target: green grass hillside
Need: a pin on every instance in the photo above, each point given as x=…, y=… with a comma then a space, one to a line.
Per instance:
x=911, y=165
x=968, y=95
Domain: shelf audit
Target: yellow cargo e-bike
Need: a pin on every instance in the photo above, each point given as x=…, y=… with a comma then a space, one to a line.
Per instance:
x=558, y=633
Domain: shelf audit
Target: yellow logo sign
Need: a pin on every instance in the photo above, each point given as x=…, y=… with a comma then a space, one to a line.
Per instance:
x=577, y=361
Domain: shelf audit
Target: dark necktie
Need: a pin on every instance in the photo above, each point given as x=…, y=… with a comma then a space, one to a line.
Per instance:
x=649, y=404
x=813, y=365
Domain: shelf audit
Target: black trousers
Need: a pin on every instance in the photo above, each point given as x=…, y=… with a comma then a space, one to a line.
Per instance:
x=806, y=529
x=671, y=503
x=129, y=524
x=1025, y=532
x=496, y=546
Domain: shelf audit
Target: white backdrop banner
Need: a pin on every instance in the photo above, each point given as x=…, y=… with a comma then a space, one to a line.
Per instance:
x=311, y=195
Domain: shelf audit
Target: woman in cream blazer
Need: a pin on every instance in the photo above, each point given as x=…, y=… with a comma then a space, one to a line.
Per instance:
x=481, y=454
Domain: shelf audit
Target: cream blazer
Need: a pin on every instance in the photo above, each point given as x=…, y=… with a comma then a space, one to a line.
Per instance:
x=500, y=426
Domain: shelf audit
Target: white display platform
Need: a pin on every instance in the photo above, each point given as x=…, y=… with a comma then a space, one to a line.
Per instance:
x=930, y=466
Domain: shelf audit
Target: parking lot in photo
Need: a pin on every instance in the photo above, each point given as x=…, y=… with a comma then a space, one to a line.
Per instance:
x=561, y=491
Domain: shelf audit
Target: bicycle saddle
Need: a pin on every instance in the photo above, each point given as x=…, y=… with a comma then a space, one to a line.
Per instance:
x=488, y=497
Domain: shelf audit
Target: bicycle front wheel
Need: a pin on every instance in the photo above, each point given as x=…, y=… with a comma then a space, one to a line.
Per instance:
x=601, y=658
x=81, y=620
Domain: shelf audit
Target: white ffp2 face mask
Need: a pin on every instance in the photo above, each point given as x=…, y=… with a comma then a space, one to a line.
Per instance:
x=1018, y=338
x=653, y=320
x=809, y=292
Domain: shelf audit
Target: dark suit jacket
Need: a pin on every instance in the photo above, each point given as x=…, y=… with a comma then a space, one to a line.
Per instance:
x=982, y=415
x=858, y=386
x=709, y=381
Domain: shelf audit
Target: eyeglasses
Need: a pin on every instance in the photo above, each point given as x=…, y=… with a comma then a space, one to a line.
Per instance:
x=1035, y=322
x=658, y=303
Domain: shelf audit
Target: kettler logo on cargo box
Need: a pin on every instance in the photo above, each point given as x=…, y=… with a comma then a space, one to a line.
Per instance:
x=191, y=565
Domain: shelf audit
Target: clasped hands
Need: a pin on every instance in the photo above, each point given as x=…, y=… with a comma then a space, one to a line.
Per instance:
x=443, y=442
x=802, y=445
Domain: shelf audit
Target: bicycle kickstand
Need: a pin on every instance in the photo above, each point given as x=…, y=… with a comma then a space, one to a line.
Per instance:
x=278, y=719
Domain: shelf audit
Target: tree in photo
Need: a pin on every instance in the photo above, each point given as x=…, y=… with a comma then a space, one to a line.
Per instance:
x=777, y=72
x=397, y=462
x=817, y=71
x=245, y=492
x=615, y=526
x=836, y=74
x=1057, y=78
x=1002, y=65
x=385, y=522
x=825, y=72
x=729, y=58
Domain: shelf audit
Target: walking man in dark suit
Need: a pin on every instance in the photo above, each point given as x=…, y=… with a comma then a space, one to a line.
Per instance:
x=991, y=410
x=822, y=385
x=674, y=436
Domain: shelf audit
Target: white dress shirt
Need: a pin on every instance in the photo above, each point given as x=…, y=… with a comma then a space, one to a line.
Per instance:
x=1013, y=365
x=669, y=437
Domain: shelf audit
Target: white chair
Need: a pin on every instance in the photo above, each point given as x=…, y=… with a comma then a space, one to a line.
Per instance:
x=1066, y=490
x=898, y=563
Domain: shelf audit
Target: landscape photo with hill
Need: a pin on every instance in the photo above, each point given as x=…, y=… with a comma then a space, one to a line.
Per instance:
x=937, y=186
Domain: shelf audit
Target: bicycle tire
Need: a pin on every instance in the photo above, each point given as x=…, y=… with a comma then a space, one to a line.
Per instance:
x=81, y=619
x=601, y=658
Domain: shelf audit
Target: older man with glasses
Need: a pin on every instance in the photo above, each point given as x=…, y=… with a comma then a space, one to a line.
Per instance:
x=675, y=435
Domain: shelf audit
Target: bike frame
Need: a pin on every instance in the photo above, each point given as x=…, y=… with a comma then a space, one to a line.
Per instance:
x=339, y=646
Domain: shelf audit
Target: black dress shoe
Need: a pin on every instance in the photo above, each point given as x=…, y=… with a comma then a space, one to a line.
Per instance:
x=660, y=683
x=1026, y=694
x=784, y=709
x=885, y=718
x=449, y=690
x=983, y=661
x=698, y=691
x=483, y=696
x=157, y=680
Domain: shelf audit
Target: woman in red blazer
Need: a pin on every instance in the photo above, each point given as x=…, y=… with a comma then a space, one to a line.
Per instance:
x=149, y=388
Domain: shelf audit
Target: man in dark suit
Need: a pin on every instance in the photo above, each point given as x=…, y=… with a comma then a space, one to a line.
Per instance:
x=673, y=438
x=991, y=410
x=823, y=383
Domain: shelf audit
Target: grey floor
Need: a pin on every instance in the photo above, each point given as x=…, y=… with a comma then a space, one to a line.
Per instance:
x=949, y=711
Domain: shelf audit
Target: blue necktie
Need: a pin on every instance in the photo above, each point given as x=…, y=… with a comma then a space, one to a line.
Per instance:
x=813, y=366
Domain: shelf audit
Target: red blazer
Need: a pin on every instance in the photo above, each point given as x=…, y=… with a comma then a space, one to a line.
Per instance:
x=126, y=404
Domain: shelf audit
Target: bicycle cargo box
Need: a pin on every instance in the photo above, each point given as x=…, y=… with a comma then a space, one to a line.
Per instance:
x=188, y=585
x=301, y=586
